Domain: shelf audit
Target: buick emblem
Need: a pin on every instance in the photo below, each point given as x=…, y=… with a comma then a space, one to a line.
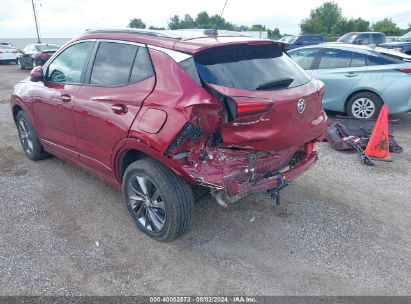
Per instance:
x=301, y=105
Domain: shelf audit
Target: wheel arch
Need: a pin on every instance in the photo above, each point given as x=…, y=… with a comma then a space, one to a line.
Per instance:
x=16, y=108
x=368, y=90
x=134, y=150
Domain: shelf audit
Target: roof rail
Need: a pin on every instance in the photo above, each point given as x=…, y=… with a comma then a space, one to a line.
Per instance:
x=152, y=33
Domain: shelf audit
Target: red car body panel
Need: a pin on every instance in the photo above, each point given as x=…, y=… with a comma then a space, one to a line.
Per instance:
x=173, y=119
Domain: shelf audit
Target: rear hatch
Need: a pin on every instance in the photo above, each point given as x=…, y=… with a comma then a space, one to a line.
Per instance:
x=271, y=104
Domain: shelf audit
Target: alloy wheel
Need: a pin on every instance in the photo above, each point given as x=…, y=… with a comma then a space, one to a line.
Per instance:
x=363, y=108
x=25, y=136
x=146, y=203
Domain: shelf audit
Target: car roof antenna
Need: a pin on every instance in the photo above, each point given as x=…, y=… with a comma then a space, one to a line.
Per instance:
x=221, y=19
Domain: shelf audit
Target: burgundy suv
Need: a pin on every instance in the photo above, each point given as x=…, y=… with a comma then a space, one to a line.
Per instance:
x=154, y=112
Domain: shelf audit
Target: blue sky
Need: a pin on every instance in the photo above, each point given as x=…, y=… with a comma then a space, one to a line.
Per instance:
x=68, y=18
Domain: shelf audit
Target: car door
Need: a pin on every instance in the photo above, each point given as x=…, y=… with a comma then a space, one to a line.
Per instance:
x=54, y=98
x=119, y=79
x=340, y=70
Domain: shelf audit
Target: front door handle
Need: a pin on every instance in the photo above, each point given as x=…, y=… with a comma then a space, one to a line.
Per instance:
x=119, y=109
x=351, y=74
x=65, y=98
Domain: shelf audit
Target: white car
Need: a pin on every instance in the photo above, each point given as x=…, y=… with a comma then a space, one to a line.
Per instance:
x=8, y=53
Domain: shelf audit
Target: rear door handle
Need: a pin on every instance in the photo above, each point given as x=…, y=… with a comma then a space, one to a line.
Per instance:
x=65, y=98
x=119, y=109
x=351, y=74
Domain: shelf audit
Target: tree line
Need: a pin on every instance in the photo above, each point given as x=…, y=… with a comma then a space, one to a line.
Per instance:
x=326, y=19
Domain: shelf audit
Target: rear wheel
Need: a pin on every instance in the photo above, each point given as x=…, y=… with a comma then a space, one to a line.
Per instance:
x=28, y=138
x=160, y=202
x=364, y=105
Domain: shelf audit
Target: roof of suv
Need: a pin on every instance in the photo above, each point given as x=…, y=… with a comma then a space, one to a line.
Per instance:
x=184, y=41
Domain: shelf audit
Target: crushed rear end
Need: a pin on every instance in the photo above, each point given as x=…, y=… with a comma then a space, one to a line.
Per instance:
x=259, y=130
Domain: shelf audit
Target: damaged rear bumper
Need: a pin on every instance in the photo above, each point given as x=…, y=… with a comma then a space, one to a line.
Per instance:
x=272, y=182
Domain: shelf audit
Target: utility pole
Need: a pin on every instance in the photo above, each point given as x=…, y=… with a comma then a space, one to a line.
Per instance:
x=35, y=20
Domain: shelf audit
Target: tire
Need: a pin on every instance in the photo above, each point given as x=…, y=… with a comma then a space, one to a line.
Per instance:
x=28, y=138
x=160, y=202
x=364, y=105
x=16, y=61
x=22, y=67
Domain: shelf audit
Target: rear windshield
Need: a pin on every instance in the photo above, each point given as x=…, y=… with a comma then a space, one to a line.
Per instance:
x=46, y=47
x=250, y=67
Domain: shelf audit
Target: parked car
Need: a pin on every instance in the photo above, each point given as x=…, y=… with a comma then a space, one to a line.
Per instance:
x=8, y=53
x=302, y=40
x=36, y=54
x=358, y=80
x=403, y=44
x=152, y=113
x=363, y=38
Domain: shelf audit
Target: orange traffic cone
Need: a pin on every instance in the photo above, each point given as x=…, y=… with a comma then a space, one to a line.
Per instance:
x=378, y=145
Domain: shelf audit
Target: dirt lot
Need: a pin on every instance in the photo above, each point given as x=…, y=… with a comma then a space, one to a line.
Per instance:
x=342, y=229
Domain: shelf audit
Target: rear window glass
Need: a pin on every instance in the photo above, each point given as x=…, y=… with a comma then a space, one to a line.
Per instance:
x=250, y=67
x=380, y=59
x=113, y=62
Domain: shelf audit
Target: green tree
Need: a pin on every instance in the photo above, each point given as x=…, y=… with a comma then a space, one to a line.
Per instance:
x=174, y=23
x=152, y=27
x=322, y=20
x=387, y=26
x=137, y=23
x=351, y=25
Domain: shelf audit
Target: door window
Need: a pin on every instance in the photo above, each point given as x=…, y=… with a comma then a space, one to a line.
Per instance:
x=334, y=59
x=363, y=39
x=69, y=65
x=377, y=38
x=358, y=60
x=113, y=63
x=304, y=57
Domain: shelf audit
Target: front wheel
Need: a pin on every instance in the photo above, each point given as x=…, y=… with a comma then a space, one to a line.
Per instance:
x=160, y=202
x=364, y=105
x=28, y=138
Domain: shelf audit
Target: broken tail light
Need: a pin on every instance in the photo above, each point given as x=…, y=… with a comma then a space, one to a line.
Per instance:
x=249, y=106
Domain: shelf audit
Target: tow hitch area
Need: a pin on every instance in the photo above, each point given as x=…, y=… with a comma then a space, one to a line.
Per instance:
x=275, y=191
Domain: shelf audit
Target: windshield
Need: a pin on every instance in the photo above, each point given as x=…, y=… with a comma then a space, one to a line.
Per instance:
x=289, y=39
x=46, y=47
x=406, y=37
x=250, y=67
x=348, y=38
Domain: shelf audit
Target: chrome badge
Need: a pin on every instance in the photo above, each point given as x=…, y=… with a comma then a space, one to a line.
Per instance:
x=301, y=105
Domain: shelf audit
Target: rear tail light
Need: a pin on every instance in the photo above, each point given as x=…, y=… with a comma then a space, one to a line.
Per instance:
x=42, y=55
x=14, y=52
x=1, y=52
x=249, y=106
x=408, y=70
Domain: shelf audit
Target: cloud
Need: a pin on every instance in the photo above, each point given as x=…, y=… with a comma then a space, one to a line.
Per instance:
x=70, y=18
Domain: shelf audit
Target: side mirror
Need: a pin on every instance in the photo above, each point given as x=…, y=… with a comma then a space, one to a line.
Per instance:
x=359, y=41
x=36, y=74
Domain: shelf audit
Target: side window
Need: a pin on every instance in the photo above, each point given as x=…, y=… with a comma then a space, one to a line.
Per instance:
x=334, y=59
x=142, y=68
x=189, y=66
x=69, y=65
x=304, y=58
x=379, y=60
x=358, y=60
x=113, y=62
x=377, y=38
x=363, y=39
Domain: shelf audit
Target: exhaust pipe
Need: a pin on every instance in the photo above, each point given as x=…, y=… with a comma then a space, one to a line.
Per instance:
x=222, y=198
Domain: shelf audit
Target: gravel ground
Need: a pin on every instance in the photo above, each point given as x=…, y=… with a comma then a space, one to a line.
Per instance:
x=342, y=229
